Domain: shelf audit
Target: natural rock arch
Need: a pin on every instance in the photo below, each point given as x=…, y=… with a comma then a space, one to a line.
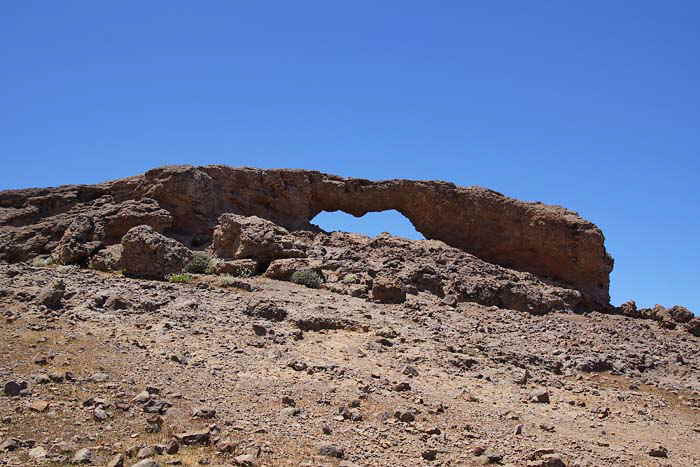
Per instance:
x=549, y=241
x=370, y=224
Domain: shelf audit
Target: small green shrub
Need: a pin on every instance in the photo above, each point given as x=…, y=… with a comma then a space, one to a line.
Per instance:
x=211, y=266
x=199, y=263
x=228, y=280
x=245, y=273
x=180, y=278
x=350, y=279
x=43, y=261
x=307, y=277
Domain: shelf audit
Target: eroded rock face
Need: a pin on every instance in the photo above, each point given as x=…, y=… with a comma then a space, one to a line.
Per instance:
x=148, y=254
x=242, y=237
x=549, y=241
x=74, y=229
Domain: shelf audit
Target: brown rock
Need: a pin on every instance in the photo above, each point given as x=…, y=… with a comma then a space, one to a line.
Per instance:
x=237, y=267
x=252, y=237
x=38, y=406
x=680, y=314
x=388, y=290
x=282, y=269
x=546, y=240
x=52, y=295
x=693, y=327
x=630, y=309
x=195, y=437
x=76, y=246
x=151, y=255
x=107, y=259
x=116, y=461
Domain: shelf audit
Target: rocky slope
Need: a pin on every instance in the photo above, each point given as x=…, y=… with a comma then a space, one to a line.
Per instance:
x=193, y=316
x=108, y=370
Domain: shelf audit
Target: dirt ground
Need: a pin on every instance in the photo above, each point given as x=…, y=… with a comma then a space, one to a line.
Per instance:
x=287, y=375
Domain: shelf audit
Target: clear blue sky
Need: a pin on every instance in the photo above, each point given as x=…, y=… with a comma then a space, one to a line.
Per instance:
x=592, y=105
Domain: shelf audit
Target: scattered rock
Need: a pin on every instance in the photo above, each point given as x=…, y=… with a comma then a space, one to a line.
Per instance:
x=329, y=450
x=10, y=444
x=38, y=406
x=204, y=412
x=146, y=463
x=116, y=461
x=82, y=456
x=12, y=388
x=51, y=296
x=172, y=447
x=540, y=395
x=658, y=451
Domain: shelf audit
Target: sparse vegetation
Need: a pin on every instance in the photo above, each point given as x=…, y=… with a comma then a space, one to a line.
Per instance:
x=245, y=273
x=227, y=280
x=181, y=278
x=307, y=277
x=350, y=279
x=200, y=263
x=43, y=261
x=211, y=266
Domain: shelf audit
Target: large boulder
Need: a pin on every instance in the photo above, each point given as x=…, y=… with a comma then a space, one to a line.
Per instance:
x=241, y=237
x=236, y=267
x=282, y=269
x=104, y=223
x=148, y=254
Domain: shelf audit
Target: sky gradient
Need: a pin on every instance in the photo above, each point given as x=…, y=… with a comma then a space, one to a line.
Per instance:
x=591, y=105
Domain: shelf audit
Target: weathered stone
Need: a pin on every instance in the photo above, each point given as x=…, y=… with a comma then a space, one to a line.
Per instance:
x=12, y=388
x=680, y=314
x=195, y=437
x=546, y=240
x=37, y=453
x=540, y=395
x=116, y=461
x=172, y=447
x=107, y=259
x=52, y=295
x=388, y=290
x=10, y=444
x=241, y=237
x=146, y=463
x=658, y=451
x=82, y=456
x=38, y=406
x=236, y=267
x=204, y=412
x=693, y=327
x=329, y=450
x=148, y=254
x=282, y=269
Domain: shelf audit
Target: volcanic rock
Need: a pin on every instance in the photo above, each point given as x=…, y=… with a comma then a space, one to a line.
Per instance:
x=241, y=237
x=546, y=240
x=151, y=255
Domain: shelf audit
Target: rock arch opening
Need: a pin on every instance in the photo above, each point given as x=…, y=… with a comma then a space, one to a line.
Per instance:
x=370, y=224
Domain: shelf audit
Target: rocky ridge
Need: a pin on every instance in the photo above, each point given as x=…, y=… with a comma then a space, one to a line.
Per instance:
x=185, y=202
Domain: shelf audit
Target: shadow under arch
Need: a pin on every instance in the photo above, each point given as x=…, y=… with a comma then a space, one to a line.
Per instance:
x=371, y=224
